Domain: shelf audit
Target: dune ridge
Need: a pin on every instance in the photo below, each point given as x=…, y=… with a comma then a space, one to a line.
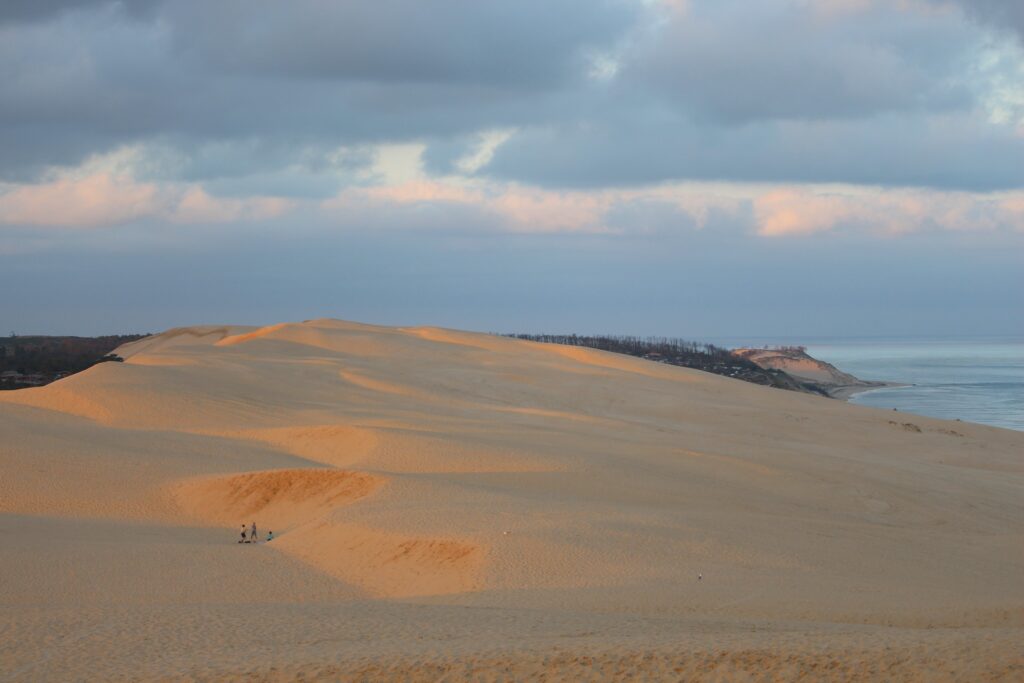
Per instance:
x=418, y=479
x=279, y=498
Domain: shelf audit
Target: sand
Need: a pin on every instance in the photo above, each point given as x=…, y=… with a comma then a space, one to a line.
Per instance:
x=450, y=506
x=818, y=375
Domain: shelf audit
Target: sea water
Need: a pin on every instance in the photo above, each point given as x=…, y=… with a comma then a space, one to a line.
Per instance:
x=976, y=380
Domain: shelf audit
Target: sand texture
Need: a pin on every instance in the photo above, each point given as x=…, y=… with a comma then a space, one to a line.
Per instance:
x=451, y=506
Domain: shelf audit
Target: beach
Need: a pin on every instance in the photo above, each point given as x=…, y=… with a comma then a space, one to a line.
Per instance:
x=848, y=392
x=968, y=379
x=450, y=505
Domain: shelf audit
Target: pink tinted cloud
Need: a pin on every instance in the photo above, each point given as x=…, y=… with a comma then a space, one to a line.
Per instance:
x=804, y=211
x=779, y=212
x=197, y=206
x=104, y=199
x=515, y=208
x=96, y=200
x=796, y=212
x=417, y=191
x=534, y=210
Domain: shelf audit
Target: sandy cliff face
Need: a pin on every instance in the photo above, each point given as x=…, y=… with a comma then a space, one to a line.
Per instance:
x=797, y=363
x=399, y=463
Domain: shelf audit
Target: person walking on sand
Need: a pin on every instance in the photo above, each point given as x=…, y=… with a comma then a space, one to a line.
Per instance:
x=252, y=533
x=243, y=534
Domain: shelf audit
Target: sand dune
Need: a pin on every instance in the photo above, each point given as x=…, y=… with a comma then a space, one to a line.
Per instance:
x=337, y=445
x=385, y=564
x=451, y=504
x=281, y=499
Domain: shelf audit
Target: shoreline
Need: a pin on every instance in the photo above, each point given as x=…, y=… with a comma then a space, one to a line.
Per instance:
x=847, y=391
x=812, y=374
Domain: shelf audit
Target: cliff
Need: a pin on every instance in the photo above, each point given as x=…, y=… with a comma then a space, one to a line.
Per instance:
x=815, y=375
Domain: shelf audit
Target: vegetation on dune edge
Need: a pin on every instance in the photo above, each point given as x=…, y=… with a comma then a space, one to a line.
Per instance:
x=684, y=353
x=32, y=361
x=27, y=361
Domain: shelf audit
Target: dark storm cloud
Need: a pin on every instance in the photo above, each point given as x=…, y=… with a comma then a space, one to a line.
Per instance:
x=34, y=10
x=223, y=92
x=528, y=43
x=1006, y=14
x=740, y=91
x=732, y=61
x=300, y=75
x=948, y=153
x=20, y=11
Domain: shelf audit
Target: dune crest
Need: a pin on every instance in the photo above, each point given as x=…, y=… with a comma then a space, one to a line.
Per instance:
x=364, y=381
x=280, y=499
x=179, y=337
x=337, y=445
x=470, y=340
x=233, y=339
x=612, y=361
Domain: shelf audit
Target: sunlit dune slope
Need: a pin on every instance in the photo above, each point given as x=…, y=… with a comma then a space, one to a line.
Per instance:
x=404, y=462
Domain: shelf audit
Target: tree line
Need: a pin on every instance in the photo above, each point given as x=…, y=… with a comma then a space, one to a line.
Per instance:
x=635, y=346
x=55, y=357
x=681, y=352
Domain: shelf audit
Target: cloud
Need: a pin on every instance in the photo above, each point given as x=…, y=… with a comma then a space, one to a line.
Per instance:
x=786, y=212
x=488, y=143
x=650, y=216
x=104, y=199
x=1001, y=14
x=96, y=200
x=949, y=152
x=535, y=210
x=34, y=10
x=21, y=11
x=529, y=43
x=713, y=212
x=294, y=79
x=396, y=191
x=194, y=205
x=501, y=165
x=733, y=62
x=416, y=192
x=253, y=98
x=504, y=208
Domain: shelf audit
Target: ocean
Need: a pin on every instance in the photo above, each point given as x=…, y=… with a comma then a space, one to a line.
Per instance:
x=976, y=380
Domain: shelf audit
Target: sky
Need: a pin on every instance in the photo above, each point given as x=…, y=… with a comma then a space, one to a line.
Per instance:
x=694, y=168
